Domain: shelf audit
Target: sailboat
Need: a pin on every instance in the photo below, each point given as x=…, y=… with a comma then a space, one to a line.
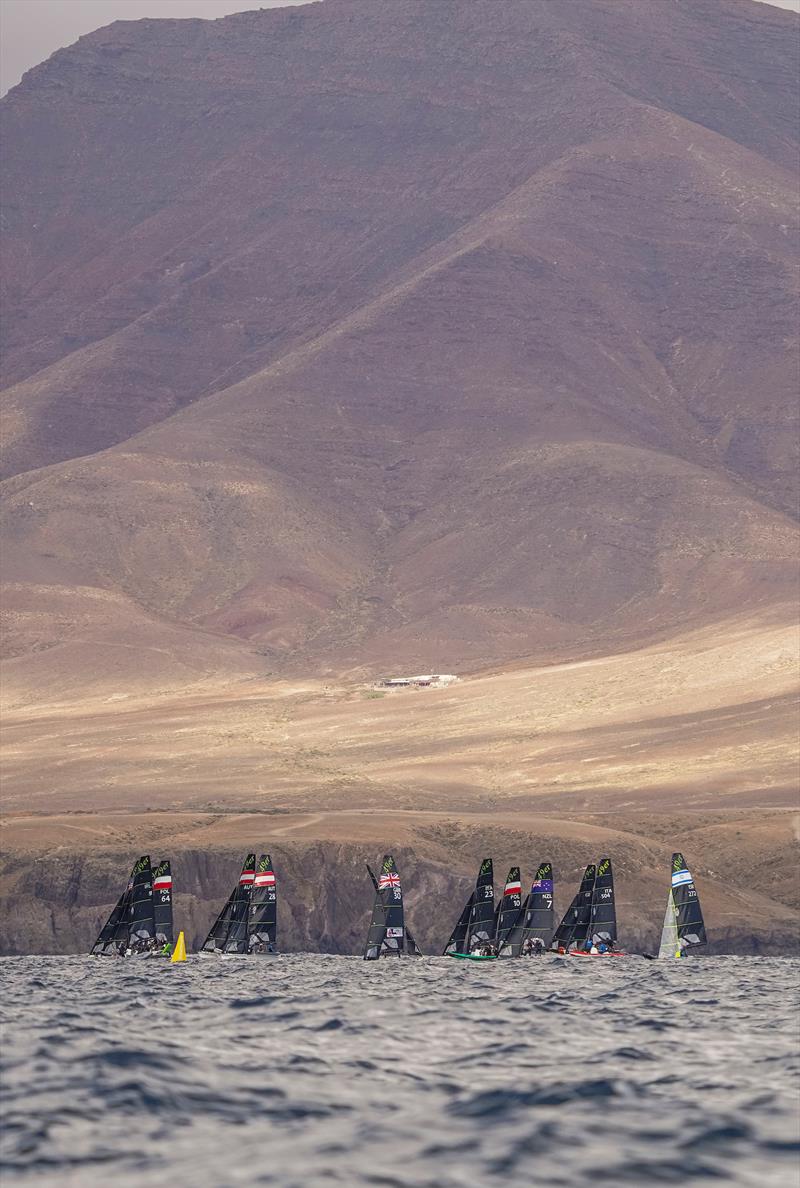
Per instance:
x=533, y=928
x=574, y=927
x=474, y=930
x=388, y=935
x=684, y=928
x=229, y=933
x=140, y=924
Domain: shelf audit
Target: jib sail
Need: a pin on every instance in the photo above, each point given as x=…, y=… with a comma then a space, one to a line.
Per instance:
x=458, y=937
x=509, y=908
x=263, y=926
x=162, y=903
x=229, y=931
x=603, y=929
x=683, y=928
x=574, y=928
x=111, y=932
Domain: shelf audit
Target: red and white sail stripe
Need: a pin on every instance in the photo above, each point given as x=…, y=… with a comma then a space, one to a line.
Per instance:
x=162, y=883
x=246, y=878
x=513, y=888
x=265, y=878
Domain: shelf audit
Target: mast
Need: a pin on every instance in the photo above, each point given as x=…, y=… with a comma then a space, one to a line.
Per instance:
x=481, y=917
x=162, y=903
x=603, y=927
x=509, y=909
x=574, y=927
x=263, y=929
x=689, y=924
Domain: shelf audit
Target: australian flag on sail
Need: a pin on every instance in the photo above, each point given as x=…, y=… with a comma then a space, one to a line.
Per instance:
x=543, y=885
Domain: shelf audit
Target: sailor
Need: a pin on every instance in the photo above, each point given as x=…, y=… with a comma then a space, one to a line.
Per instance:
x=587, y=948
x=165, y=950
x=602, y=947
x=537, y=946
x=527, y=947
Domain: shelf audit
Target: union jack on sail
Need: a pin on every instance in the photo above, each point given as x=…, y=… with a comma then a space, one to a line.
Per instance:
x=392, y=879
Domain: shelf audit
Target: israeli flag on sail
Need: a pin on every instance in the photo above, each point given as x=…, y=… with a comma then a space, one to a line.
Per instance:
x=680, y=877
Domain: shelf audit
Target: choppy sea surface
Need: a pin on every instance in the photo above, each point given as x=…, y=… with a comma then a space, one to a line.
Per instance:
x=310, y=1070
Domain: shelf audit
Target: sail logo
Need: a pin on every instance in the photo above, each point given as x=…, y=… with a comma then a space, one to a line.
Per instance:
x=246, y=878
x=681, y=877
x=545, y=885
x=394, y=933
x=162, y=883
x=265, y=878
x=390, y=880
x=513, y=888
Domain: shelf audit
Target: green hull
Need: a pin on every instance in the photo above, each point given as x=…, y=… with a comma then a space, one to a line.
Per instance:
x=471, y=957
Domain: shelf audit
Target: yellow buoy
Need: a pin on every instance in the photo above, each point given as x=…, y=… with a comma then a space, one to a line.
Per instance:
x=179, y=952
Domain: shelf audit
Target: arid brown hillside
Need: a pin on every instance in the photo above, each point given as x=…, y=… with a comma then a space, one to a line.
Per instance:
x=376, y=333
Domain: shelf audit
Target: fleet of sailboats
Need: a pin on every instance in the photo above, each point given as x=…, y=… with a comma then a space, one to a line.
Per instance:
x=141, y=922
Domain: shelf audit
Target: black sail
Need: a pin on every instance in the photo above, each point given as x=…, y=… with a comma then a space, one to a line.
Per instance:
x=162, y=903
x=142, y=928
x=688, y=914
x=481, y=918
x=509, y=908
x=377, y=925
x=263, y=930
x=107, y=942
x=574, y=928
x=236, y=940
x=539, y=922
x=603, y=929
x=458, y=937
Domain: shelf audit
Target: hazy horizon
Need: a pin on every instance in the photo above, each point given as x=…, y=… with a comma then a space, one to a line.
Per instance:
x=32, y=32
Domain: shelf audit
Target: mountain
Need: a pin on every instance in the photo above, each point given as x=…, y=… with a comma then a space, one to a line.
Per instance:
x=393, y=334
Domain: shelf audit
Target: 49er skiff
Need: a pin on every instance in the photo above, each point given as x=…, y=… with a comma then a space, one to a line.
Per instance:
x=388, y=935
x=140, y=924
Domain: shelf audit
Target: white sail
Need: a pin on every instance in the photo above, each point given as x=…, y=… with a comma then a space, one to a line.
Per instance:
x=669, y=946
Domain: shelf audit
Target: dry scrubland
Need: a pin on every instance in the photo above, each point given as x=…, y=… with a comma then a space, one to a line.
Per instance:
x=690, y=742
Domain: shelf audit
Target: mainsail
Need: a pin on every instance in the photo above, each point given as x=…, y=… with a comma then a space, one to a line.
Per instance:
x=603, y=928
x=229, y=931
x=509, y=908
x=683, y=920
x=162, y=903
x=481, y=918
x=262, y=934
x=142, y=929
x=574, y=928
x=458, y=937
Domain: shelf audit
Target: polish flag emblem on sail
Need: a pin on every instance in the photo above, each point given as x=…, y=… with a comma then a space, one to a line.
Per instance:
x=162, y=883
x=265, y=878
x=388, y=880
x=513, y=888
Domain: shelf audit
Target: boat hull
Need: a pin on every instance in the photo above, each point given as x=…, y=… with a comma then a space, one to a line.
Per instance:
x=472, y=957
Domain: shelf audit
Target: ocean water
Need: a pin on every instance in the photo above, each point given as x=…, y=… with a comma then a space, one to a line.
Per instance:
x=311, y=1070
